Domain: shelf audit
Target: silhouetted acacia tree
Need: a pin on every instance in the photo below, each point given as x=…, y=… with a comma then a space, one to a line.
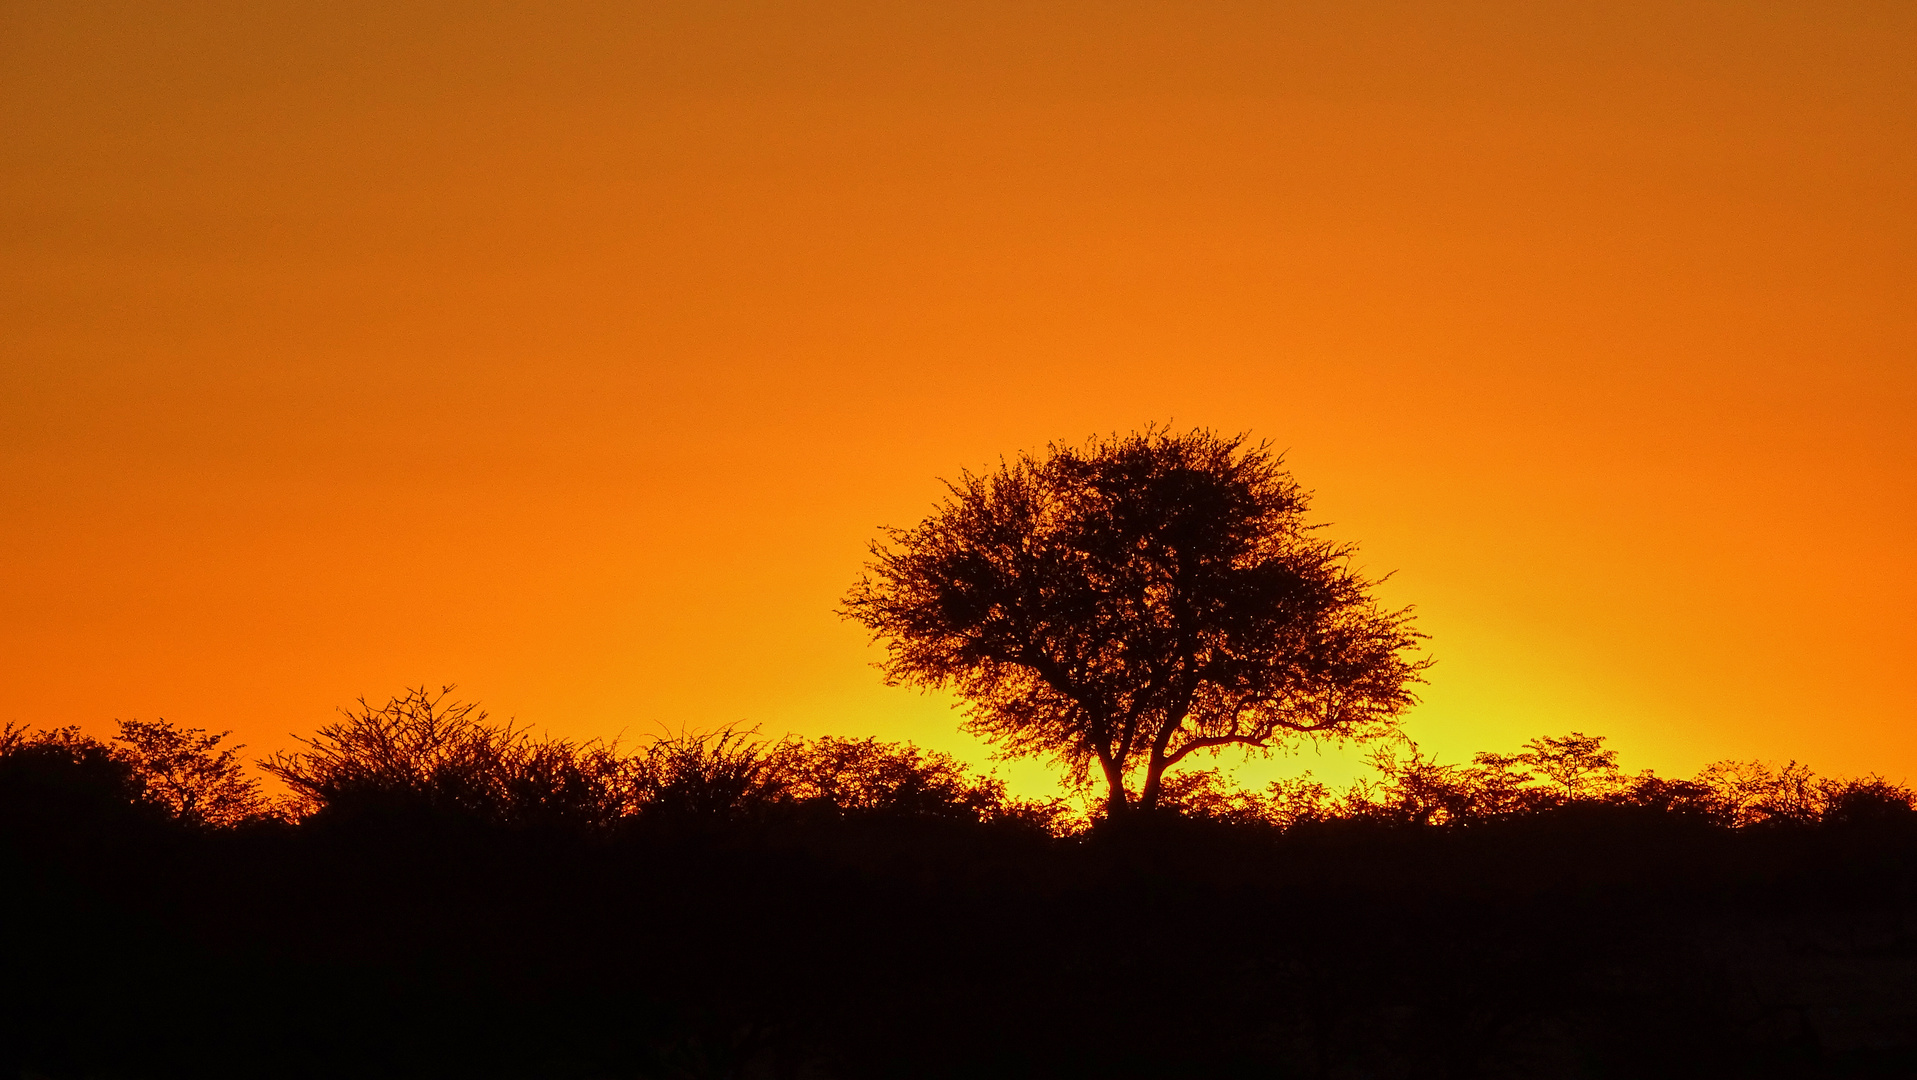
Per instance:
x=1576, y=766
x=1133, y=601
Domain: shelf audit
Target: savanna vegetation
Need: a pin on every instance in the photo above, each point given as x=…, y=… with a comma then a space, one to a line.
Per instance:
x=416, y=890
x=431, y=893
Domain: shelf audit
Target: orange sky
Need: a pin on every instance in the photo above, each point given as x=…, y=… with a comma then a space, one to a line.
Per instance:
x=573, y=356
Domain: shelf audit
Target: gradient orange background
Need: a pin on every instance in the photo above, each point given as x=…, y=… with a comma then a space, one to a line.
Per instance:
x=573, y=354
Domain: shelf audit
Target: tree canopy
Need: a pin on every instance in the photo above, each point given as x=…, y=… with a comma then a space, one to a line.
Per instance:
x=1130, y=602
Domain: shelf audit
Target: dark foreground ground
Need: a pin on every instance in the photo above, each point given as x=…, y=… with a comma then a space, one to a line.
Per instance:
x=1591, y=941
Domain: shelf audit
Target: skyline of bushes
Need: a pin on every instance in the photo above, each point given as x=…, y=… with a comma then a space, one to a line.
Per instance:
x=427, y=752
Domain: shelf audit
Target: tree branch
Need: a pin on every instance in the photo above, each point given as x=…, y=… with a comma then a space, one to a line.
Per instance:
x=1206, y=742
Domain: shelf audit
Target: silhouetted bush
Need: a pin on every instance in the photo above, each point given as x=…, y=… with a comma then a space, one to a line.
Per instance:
x=868, y=776
x=149, y=770
x=722, y=776
x=58, y=781
x=422, y=754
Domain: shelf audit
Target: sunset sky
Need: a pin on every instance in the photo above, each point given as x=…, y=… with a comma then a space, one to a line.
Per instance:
x=573, y=353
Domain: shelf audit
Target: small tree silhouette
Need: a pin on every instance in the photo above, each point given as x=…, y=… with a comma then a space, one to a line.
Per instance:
x=190, y=773
x=1577, y=766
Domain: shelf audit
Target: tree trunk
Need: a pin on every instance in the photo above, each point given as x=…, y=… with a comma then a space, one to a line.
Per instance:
x=1155, y=765
x=1154, y=782
x=1116, y=802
